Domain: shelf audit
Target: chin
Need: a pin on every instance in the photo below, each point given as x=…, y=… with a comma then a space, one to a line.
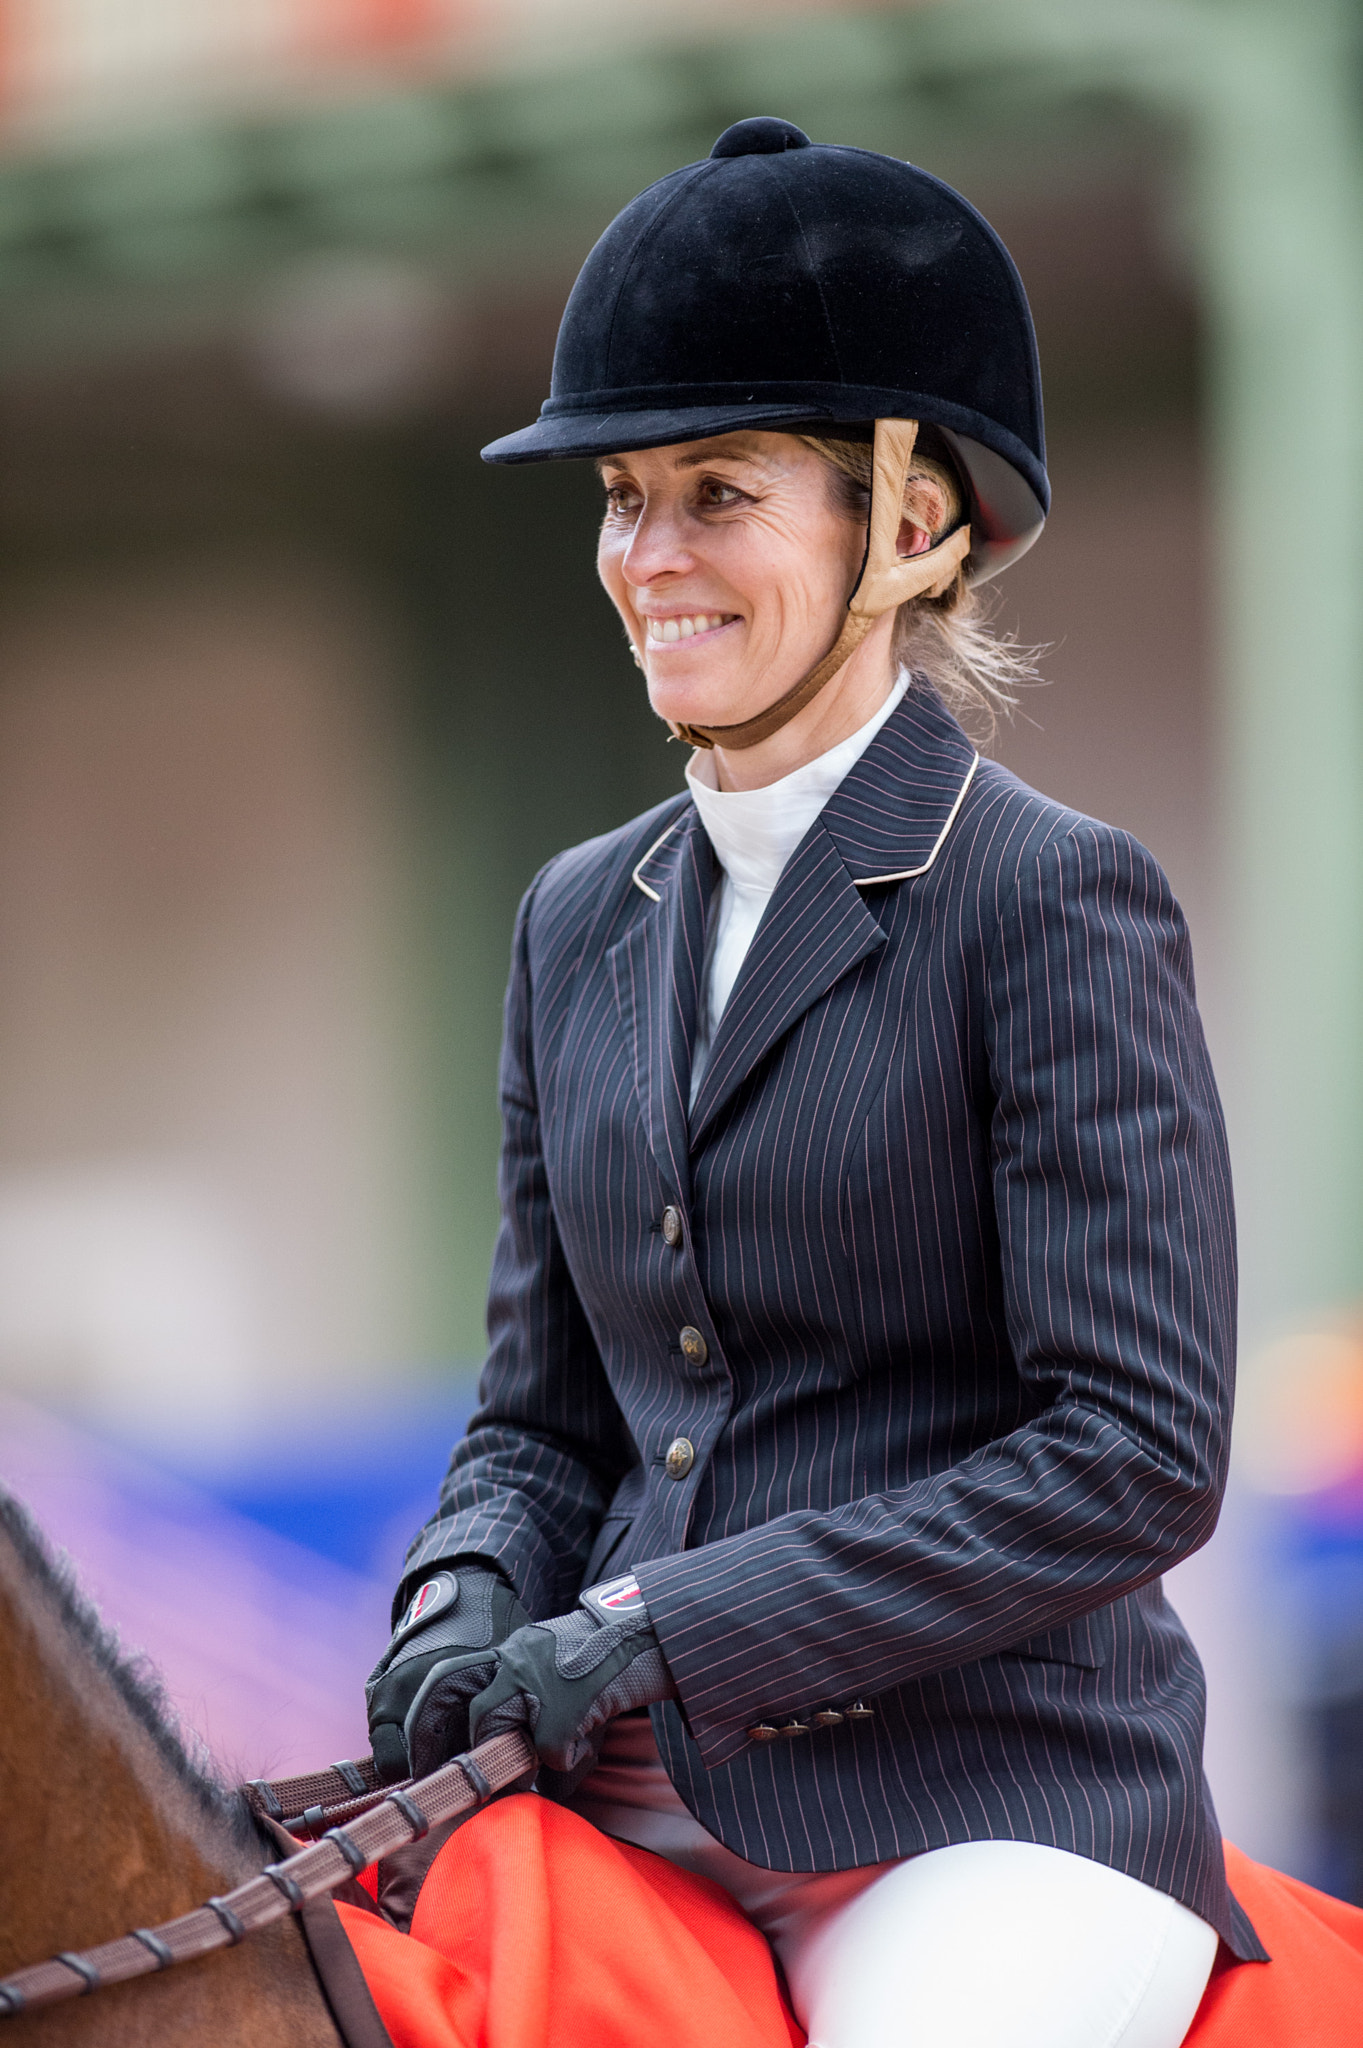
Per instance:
x=681, y=704
x=697, y=701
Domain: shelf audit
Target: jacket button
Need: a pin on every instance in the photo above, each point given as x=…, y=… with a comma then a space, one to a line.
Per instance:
x=762, y=1731
x=793, y=1728
x=829, y=1717
x=680, y=1458
x=859, y=1711
x=695, y=1350
x=672, y=1226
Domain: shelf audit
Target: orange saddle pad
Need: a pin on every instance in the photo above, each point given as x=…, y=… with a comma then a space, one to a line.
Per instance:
x=1311, y=1994
x=533, y=1930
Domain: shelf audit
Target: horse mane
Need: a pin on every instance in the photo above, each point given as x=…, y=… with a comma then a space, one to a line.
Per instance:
x=133, y=1677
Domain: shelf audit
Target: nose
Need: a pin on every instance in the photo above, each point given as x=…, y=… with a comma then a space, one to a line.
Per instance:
x=656, y=547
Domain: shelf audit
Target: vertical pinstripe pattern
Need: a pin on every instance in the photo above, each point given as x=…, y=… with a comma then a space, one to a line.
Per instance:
x=959, y=1238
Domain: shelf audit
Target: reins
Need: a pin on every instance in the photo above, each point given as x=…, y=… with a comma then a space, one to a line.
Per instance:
x=358, y=1822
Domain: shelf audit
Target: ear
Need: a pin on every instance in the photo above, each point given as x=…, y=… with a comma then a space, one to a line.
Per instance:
x=926, y=512
x=913, y=539
x=886, y=579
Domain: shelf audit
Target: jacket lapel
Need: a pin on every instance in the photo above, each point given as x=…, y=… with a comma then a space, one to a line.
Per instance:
x=656, y=970
x=815, y=928
x=886, y=824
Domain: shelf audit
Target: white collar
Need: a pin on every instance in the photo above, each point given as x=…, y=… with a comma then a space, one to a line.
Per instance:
x=755, y=831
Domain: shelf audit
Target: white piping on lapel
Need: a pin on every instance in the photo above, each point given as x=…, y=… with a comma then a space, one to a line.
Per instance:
x=652, y=894
x=905, y=874
x=858, y=881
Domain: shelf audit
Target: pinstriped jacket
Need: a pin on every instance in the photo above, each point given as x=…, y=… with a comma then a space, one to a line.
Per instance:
x=958, y=1237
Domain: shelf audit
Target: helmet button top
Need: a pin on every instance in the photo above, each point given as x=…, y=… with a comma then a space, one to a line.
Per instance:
x=761, y=136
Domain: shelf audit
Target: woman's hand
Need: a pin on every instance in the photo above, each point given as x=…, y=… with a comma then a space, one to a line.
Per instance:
x=462, y=1609
x=560, y=1680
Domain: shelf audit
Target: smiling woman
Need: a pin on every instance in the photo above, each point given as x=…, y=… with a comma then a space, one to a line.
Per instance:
x=864, y=1298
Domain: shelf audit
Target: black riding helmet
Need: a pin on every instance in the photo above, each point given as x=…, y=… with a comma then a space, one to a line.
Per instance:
x=788, y=284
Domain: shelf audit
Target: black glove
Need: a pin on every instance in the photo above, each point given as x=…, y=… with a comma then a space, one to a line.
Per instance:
x=560, y=1680
x=461, y=1608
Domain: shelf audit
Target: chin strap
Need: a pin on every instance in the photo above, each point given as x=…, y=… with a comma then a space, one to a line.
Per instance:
x=887, y=580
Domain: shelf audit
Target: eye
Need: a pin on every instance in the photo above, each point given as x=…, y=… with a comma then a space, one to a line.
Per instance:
x=713, y=494
x=621, y=498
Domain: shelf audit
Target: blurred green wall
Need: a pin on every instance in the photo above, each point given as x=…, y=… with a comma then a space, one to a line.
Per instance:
x=528, y=732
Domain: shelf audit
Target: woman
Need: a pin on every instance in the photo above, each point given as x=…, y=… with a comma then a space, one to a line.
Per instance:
x=862, y=1315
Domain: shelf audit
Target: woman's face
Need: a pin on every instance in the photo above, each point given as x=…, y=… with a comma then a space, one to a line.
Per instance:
x=730, y=562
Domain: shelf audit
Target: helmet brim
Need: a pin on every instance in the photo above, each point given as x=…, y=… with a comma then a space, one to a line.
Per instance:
x=1006, y=515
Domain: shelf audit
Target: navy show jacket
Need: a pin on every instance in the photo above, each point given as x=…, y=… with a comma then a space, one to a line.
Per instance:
x=957, y=1236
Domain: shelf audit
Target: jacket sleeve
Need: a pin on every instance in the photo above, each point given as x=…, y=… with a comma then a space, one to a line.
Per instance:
x=1112, y=1195
x=546, y=1447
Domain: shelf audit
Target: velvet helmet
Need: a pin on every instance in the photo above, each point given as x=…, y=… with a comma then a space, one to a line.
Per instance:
x=782, y=284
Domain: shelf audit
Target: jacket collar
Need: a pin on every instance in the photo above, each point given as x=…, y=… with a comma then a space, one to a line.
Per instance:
x=893, y=814
x=886, y=823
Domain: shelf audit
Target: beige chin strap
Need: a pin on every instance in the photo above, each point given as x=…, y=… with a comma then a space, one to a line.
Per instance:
x=887, y=580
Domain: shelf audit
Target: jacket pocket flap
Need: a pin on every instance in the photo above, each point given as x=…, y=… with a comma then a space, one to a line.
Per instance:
x=1084, y=1642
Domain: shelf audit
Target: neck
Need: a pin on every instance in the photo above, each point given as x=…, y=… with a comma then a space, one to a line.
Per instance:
x=841, y=708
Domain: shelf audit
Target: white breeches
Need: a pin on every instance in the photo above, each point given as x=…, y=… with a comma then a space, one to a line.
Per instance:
x=981, y=1945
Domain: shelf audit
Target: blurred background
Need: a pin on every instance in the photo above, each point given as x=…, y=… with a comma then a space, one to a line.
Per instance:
x=295, y=696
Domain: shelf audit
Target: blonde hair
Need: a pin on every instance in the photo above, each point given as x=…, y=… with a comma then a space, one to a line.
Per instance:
x=948, y=639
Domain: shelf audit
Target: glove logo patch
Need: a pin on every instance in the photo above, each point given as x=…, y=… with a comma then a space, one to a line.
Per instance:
x=625, y=1594
x=615, y=1599
x=428, y=1600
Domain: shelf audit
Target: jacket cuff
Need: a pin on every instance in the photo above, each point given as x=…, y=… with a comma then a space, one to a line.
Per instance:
x=502, y=1541
x=718, y=1722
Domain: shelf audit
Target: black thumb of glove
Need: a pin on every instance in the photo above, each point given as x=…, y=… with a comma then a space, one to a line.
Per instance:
x=462, y=1607
x=563, y=1680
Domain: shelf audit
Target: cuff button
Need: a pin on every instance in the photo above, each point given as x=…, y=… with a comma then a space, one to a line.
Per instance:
x=859, y=1711
x=829, y=1717
x=762, y=1731
x=794, y=1728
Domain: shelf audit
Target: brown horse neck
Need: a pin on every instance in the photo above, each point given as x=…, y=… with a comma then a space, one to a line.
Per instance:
x=110, y=1826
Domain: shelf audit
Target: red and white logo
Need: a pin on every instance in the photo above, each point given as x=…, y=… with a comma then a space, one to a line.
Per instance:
x=425, y=1598
x=620, y=1595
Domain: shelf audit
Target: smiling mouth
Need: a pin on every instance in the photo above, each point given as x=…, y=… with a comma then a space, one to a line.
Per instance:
x=665, y=632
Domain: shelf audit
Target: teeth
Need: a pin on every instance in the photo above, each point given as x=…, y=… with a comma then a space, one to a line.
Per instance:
x=685, y=628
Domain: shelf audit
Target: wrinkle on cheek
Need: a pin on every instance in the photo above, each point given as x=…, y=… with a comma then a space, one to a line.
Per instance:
x=794, y=624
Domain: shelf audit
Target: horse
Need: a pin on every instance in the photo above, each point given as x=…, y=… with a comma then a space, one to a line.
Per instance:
x=111, y=1822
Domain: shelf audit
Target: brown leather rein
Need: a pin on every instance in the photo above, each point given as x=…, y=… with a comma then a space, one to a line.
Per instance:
x=358, y=1821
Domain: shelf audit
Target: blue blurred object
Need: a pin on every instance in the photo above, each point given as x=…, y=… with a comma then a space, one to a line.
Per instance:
x=1321, y=1558
x=263, y=1645
x=353, y=1487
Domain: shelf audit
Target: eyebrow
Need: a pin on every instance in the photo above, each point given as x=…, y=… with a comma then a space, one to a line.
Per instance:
x=603, y=462
x=724, y=455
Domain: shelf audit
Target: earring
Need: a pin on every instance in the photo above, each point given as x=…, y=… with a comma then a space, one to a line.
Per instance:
x=635, y=659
